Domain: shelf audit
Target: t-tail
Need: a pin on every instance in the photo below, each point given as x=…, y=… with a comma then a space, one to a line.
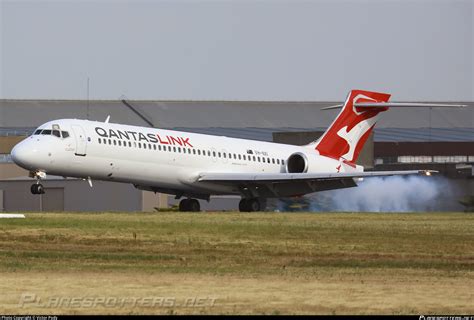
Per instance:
x=346, y=136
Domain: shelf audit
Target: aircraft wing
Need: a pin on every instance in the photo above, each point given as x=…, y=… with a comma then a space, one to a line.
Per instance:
x=292, y=184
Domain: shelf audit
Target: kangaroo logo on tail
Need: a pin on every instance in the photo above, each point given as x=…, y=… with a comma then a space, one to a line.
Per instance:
x=346, y=136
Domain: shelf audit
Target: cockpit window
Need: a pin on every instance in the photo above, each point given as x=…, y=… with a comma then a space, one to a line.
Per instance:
x=56, y=131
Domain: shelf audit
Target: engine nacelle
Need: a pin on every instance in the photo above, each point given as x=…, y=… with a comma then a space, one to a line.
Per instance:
x=297, y=163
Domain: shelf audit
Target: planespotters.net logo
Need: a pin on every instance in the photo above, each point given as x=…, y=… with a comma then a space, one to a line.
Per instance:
x=33, y=300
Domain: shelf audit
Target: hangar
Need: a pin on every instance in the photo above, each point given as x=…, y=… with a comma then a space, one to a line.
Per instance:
x=428, y=138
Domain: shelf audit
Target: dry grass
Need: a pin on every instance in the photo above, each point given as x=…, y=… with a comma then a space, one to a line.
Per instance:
x=249, y=263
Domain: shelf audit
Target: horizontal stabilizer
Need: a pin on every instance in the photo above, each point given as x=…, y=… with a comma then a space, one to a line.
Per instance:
x=397, y=105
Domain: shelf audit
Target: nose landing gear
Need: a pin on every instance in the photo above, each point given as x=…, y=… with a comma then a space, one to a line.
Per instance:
x=37, y=188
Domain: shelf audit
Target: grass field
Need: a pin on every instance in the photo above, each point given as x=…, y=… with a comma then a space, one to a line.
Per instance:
x=225, y=263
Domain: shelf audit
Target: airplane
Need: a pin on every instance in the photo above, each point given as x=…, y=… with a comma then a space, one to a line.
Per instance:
x=195, y=166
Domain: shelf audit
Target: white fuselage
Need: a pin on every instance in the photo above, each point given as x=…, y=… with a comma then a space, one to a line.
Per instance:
x=156, y=159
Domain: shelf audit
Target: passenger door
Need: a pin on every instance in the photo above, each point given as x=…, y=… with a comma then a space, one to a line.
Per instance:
x=81, y=140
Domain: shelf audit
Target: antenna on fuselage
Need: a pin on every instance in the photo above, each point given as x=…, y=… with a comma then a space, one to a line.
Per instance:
x=108, y=118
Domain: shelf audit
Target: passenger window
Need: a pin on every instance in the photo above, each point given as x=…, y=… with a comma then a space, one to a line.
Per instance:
x=169, y=148
x=208, y=153
x=130, y=144
x=224, y=155
x=140, y=145
x=154, y=147
x=240, y=157
x=99, y=140
x=213, y=153
x=199, y=152
x=254, y=159
x=110, y=141
x=273, y=160
x=278, y=161
x=174, y=149
x=283, y=162
x=115, y=142
x=120, y=143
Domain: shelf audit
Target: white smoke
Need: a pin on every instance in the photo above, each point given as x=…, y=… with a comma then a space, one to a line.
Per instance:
x=388, y=194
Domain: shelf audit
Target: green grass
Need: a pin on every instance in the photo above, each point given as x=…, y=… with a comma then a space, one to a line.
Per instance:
x=235, y=243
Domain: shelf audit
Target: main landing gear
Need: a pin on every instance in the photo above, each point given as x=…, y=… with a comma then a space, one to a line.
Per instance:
x=252, y=205
x=189, y=205
x=37, y=188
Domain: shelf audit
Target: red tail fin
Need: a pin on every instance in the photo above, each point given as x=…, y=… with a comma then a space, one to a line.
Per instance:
x=348, y=133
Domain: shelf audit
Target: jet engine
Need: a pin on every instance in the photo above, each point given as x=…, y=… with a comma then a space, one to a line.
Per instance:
x=297, y=163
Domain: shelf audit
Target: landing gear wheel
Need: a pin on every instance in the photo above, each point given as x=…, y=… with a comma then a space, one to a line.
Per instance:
x=189, y=205
x=194, y=206
x=243, y=205
x=37, y=188
x=183, y=205
x=40, y=189
x=252, y=205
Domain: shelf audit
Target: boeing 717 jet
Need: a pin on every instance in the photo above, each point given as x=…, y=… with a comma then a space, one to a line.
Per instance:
x=195, y=166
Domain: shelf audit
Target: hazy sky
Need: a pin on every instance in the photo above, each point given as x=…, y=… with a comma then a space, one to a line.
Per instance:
x=237, y=50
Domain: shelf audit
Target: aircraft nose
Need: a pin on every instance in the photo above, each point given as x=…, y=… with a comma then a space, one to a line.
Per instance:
x=22, y=154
